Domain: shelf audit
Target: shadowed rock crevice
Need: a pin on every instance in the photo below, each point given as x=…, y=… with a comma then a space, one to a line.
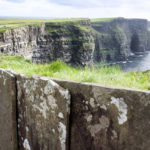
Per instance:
x=135, y=43
x=17, y=114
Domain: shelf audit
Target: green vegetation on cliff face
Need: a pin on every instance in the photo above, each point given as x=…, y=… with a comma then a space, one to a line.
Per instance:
x=60, y=28
x=104, y=75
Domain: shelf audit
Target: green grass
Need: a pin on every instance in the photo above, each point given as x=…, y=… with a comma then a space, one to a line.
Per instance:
x=105, y=75
x=102, y=19
x=6, y=23
x=84, y=28
x=97, y=20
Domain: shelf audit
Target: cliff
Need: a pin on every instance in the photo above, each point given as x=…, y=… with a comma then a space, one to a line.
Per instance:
x=116, y=39
x=71, y=42
x=78, y=42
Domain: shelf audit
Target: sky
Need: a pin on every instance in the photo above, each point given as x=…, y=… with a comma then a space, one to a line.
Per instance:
x=76, y=8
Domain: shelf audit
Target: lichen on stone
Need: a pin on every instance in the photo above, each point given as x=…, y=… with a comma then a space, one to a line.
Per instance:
x=88, y=117
x=102, y=125
x=60, y=115
x=26, y=144
x=62, y=135
x=92, y=102
x=122, y=109
x=43, y=108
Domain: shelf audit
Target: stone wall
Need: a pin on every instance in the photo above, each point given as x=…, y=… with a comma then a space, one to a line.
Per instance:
x=43, y=112
x=34, y=113
x=98, y=118
x=107, y=118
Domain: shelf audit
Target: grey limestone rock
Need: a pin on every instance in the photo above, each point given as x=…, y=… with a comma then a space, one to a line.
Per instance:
x=43, y=114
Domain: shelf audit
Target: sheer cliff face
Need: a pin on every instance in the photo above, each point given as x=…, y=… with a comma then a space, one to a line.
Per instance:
x=120, y=38
x=78, y=43
x=71, y=42
x=20, y=41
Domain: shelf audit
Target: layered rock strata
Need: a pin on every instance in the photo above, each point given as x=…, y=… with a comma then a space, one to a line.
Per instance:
x=119, y=38
x=71, y=42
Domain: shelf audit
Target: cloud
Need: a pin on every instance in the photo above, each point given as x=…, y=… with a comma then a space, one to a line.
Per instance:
x=16, y=1
x=87, y=3
x=75, y=8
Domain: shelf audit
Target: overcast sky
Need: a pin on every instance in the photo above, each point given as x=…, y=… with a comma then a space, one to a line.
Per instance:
x=76, y=8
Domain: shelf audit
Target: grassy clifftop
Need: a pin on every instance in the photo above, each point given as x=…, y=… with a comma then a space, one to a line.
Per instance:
x=6, y=24
x=104, y=75
x=102, y=19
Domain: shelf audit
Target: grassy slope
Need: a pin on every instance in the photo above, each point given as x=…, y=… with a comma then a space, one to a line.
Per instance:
x=105, y=75
x=6, y=24
x=20, y=21
x=102, y=19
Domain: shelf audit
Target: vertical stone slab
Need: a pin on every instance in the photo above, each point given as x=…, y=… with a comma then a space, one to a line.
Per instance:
x=43, y=111
x=8, y=125
x=104, y=118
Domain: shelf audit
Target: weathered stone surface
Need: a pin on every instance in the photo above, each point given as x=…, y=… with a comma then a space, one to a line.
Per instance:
x=8, y=125
x=43, y=111
x=104, y=118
